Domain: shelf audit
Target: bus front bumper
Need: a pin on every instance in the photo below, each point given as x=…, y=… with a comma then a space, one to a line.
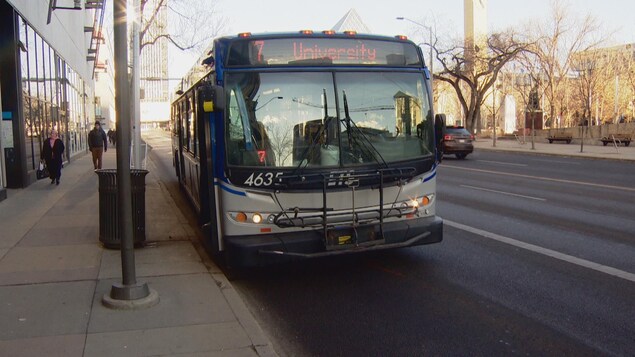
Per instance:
x=258, y=250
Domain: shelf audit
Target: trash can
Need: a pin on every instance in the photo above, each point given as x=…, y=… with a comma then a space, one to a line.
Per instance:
x=109, y=234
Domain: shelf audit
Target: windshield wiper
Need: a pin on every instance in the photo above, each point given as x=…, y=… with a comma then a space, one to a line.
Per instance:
x=367, y=144
x=304, y=162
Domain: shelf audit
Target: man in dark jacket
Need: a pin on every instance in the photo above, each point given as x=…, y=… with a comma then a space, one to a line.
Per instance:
x=98, y=144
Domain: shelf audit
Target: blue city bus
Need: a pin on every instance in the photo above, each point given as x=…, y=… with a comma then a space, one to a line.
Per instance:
x=304, y=145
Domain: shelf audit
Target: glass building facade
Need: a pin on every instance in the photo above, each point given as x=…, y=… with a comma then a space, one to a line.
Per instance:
x=53, y=97
x=42, y=87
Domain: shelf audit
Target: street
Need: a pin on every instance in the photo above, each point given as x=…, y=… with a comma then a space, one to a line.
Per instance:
x=537, y=259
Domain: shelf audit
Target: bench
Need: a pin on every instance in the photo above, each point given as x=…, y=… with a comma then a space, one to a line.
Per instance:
x=566, y=138
x=617, y=138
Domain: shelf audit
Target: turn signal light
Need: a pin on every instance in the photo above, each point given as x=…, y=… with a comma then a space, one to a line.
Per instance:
x=241, y=217
x=425, y=201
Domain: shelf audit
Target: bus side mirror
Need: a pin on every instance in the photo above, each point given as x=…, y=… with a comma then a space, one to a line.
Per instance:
x=213, y=98
x=439, y=132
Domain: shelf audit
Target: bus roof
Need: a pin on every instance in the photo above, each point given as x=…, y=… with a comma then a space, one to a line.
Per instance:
x=314, y=34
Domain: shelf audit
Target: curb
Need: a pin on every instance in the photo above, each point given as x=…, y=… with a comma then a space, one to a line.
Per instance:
x=544, y=153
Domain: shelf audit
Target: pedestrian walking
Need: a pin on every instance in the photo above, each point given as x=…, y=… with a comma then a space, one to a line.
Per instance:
x=98, y=144
x=113, y=137
x=52, y=151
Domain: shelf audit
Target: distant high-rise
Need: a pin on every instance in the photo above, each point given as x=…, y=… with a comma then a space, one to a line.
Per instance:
x=154, y=58
x=475, y=12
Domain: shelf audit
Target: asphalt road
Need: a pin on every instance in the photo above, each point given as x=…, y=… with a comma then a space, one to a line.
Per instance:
x=537, y=259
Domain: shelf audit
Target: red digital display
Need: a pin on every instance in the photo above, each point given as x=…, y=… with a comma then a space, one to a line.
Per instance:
x=360, y=53
x=262, y=155
x=323, y=51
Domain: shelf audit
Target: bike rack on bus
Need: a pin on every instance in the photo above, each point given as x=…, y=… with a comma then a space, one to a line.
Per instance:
x=343, y=226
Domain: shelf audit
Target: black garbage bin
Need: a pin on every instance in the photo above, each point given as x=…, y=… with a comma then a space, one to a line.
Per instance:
x=109, y=234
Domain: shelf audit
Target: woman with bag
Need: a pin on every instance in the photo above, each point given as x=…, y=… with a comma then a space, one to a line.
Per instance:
x=52, y=153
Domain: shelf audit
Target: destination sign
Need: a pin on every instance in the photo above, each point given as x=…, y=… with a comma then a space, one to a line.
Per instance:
x=322, y=51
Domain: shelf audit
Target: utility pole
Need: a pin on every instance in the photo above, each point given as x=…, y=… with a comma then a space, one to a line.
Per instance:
x=494, y=116
x=135, y=85
x=430, y=65
x=129, y=294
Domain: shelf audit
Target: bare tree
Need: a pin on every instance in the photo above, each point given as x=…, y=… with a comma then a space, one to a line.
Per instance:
x=588, y=85
x=281, y=139
x=192, y=24
x=473, y=72
x=549, y=60
x=629, y=74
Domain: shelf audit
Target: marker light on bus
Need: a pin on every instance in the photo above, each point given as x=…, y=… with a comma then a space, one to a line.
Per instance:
x=328, y=32
x=244, y=34
x=425, y=200
x=350, y=33
x=401, y=37
x=306, y=32
x=256, y=218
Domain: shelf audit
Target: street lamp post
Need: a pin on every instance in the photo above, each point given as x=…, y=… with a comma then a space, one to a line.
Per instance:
x=430, y=32
x=494, y=117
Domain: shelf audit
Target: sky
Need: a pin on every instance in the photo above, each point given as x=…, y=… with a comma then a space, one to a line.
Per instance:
x=616, y=17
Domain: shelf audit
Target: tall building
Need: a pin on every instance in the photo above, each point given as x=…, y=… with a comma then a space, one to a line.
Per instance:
x=154, y=65
x=47, y=61
x=154, y=58
x=475, y=27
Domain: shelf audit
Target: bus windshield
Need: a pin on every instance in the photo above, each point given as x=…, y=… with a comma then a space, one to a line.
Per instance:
x=297, y=119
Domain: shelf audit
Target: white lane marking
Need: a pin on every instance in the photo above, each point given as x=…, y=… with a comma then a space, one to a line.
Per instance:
x=544, y=251
x=504, y=193
x=622, y=188
x=557, y=162
x=502, y=163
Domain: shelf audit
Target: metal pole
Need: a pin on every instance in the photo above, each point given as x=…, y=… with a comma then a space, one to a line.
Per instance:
x=533, y=131
x=494, y=117
x=129, y=289
x=617, y=92
x=136, y=92
x=582, y=137
x=431, y=67
x=3, y=178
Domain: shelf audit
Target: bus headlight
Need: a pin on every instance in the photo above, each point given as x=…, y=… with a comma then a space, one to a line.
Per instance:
x=256, y=218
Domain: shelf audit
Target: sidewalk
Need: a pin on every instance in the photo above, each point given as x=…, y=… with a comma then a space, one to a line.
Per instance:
x=558, y=149
x=54, y=273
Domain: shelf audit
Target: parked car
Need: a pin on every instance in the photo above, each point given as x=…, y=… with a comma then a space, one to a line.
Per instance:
x=458, y=141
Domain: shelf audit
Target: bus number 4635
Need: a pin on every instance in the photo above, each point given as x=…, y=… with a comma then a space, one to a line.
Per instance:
x=261, y=178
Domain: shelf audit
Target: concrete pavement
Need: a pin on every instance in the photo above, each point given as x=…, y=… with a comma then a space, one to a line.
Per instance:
x=54, y=273
x=541, y=147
